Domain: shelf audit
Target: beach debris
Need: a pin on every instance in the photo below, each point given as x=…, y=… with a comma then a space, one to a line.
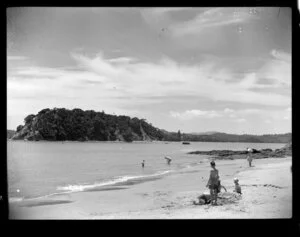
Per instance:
x=263, y=185
x=223, y=198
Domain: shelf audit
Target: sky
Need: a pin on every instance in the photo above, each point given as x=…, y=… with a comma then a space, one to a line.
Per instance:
x=188, y=69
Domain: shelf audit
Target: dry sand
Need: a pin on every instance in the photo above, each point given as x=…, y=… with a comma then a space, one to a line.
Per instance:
x=266, y=187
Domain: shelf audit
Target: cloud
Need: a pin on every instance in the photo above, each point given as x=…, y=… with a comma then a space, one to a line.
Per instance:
x=192, y=114
x=157, y=15
x=122, y=60
x=16, y=58
x=214, y=17
x=241, y=120
x=147, y=79
x=227, y=110
x=281, y=55
x=239, y=115
x=279, y=69
x=273, y=76
x=126, y=83
x=265, y=81
x=204, y=18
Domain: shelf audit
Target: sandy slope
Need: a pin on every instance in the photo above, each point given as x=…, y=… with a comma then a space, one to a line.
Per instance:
x=266, y=187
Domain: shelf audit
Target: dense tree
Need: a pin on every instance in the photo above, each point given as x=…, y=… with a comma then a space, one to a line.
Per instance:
x=179, y=135
x=62, y=124
x=19, y=128
x=28, y=119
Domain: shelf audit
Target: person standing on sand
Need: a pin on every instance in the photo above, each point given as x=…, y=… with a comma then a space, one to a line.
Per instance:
x=143, y=163
x=213, y=182
x=249, y=157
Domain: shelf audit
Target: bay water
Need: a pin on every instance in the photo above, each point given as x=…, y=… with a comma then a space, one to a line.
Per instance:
x=38, y=169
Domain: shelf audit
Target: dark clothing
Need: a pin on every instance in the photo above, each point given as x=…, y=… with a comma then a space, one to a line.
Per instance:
x=213, y=181
x=213, y=186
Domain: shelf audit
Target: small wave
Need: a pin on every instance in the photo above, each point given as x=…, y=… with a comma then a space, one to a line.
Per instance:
x=117, y=180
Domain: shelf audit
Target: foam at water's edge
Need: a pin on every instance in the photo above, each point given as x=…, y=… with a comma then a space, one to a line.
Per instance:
x=82, y=187
x=71, y=188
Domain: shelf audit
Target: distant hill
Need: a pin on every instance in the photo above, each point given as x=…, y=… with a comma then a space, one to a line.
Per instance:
x=10, y=133
x=61, y=124
x=225, y=137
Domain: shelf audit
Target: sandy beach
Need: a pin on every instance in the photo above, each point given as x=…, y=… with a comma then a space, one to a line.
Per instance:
x=266, y=188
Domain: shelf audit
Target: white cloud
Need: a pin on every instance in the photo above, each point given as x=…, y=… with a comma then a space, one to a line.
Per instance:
x=122, y=60
x=141, y=78
x=281, y=55
x=279, y=70
x=227, y=110
x=157, y=15
x=240, y=120
x=122, y=82
x=194, y=114
x=16, y=57
x=251, y=111
x=214, y=17
x=158, y=18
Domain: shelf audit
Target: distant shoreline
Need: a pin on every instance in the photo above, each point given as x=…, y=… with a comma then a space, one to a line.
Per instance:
x=154, y=141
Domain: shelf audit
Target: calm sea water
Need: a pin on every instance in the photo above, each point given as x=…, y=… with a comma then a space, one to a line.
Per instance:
x=37, y=169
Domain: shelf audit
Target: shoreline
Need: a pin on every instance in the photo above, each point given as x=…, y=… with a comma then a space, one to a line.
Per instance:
x=142, y=141
x=266, y=187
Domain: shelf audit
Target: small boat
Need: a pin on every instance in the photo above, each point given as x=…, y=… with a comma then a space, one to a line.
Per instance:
x=185, y=143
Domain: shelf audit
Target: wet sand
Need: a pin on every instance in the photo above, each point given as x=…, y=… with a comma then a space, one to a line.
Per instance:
x=266, y=188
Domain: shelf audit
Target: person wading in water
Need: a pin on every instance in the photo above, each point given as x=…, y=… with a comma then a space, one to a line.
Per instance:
x=168, y=159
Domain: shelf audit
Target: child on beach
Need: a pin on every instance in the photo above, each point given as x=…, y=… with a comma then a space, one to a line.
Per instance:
x=213, y=182
x=237, y=187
